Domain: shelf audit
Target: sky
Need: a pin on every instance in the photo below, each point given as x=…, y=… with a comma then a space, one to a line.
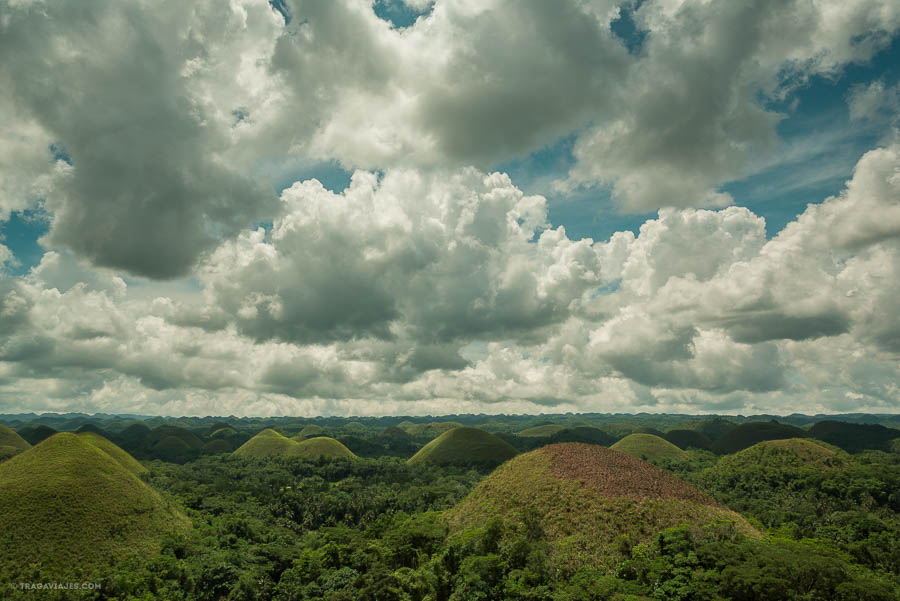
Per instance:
x=427, y=207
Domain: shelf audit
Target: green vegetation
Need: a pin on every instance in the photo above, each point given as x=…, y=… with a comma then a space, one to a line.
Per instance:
x=855, y=437
x=587, y=499
x=747, y=435
x=688, y=439
x=121, y=457
x=542, y=431
x=310, y=431
x=11, y=443
x=37, y=433
x=465, y=446
x=565, y=522
x=323, y=446
x=268, y=443
x=649, y=447
x=69, y=508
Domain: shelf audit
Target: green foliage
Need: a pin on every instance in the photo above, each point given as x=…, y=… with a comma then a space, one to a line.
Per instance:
x=69, y=508
x=11, y=442
x=542, y=431
x=855, y=437
x=747, y=435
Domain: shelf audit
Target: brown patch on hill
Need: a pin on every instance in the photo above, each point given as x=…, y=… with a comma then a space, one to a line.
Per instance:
x=616, y=474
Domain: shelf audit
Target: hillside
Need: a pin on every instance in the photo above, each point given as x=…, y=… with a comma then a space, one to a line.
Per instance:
x=855, y=437
x=542, y=431
x=36, y=433
x=784, y=454
x=323, y=446
x=686, y=439
x=587, y=497
x=268, y=443
x=121, y=457
x=310, y=431
x=747, y=435
x=588, y=434
x=465, y=446
x=70, y=507
x=649, y=447
x=11, y=443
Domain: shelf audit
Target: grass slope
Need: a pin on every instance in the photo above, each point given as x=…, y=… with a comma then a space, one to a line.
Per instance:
x=15, y=443
x=323, y=446
x=123, y=458
x=649, y=447
x=587, y=499
x=68, y=507
x=310, y=431
x=542, y=431
x=268, y=443
x=465, y=446
x=783, y=454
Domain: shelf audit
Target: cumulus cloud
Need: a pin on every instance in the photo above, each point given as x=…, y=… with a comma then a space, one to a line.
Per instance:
x=120, y=91
x=435, y=258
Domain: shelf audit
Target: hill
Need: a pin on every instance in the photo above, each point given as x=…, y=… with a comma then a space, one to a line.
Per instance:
x=36, y=433
x=686, y=439
x=855, y=437
x=747, y=435
x=649, y=447
x=121, y=457
x=588, y=434
x=268, y=443
x=11, y=443
x=542, y=431
x=310, y=431
x=465, y=446
x=784, y=454
x=431, y=428
x=70, y=507
x=323, y=446
x=586, y=498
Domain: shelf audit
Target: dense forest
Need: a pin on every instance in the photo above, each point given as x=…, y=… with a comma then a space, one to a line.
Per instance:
x=664, y=507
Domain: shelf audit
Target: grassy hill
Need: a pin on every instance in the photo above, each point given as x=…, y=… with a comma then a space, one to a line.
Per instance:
x=649, y=447
x=268, y=443
x=323, y=446
x=784, y=454
x=542, y=431
x=855, y=437
x=587, y=434
x=747, y=435
x=586, y=498
x=686, y=439
x=465, y=446
x=69, y=507
x=431, y=428
x=310, y=431
x=11, y=443
x=121, y=457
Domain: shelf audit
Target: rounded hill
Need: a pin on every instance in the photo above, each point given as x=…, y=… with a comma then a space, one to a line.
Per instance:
x=785, y=453
x=323, y=446
x=542, y=431
x=310, y=431
x=268, y=443
x=587, y=498
x=686, y=439
x=9, y=438
x=465, y=446
x=70, y=507
x=122, y=458
x=649, y=447
x=747, y=435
